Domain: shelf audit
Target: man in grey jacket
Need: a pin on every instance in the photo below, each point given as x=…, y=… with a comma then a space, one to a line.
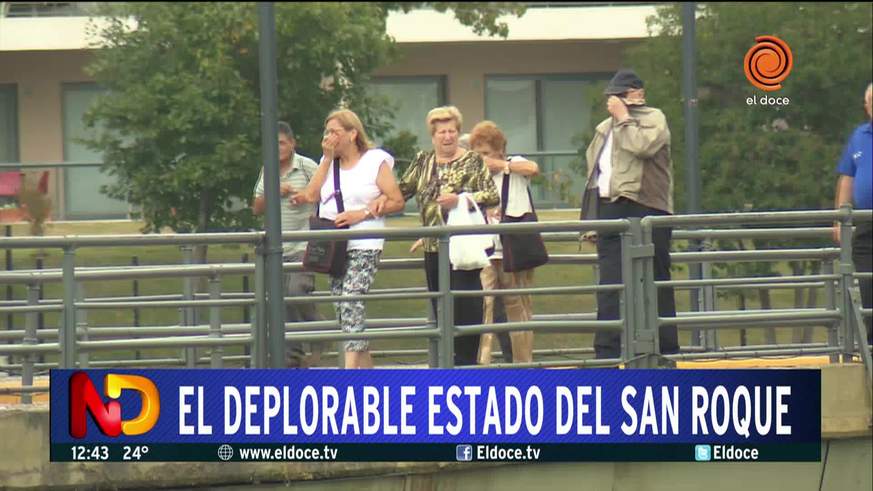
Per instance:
x=630, y=174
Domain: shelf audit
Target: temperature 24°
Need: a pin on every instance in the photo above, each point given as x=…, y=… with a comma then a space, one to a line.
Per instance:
x=135, y=453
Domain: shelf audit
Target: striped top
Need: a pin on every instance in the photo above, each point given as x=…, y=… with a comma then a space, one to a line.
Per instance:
x=294, y=217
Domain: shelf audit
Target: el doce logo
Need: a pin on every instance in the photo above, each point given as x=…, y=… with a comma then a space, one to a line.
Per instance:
x=84, y=396
x=768, y=63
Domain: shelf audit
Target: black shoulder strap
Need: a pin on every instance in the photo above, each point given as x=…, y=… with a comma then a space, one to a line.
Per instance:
x=340, y=206
x=504, y=196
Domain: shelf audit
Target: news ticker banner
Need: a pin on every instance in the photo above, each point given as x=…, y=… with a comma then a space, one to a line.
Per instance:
x=174, y=415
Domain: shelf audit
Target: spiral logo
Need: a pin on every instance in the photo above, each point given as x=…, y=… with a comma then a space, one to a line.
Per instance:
x=768, y=63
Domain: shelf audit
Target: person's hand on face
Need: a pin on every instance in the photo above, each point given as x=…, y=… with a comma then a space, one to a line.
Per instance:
x=494, y=160
x=617, y=108
x=329, y=144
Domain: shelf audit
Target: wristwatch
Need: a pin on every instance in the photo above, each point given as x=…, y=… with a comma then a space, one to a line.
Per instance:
x=367, y=213
x=506, y=169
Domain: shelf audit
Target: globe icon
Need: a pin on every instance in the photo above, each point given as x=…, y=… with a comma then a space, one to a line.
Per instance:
x=225, y=452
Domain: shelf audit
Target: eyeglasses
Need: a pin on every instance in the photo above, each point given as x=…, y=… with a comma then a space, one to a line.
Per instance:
x=333, y=131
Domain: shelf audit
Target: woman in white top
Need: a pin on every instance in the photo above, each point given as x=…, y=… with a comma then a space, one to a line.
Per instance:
x=365, y=174
x=488, y=140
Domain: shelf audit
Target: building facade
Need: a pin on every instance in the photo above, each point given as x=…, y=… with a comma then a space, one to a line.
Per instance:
x=532, y=84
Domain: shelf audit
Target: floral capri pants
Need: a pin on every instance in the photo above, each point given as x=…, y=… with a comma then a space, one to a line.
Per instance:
x=360, y=271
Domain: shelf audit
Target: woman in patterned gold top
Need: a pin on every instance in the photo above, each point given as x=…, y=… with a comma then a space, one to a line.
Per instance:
x=436, y=178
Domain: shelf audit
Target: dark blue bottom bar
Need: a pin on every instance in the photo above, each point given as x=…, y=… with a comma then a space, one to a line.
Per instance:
x=426, y=452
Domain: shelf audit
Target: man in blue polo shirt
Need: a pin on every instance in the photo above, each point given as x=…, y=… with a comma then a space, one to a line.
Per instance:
x=855, y=185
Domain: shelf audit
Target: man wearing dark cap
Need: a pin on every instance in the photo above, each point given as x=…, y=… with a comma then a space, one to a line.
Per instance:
x=630, y=174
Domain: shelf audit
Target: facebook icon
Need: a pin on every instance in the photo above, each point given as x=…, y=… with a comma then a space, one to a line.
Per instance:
x=702, y=453
x=464, y=453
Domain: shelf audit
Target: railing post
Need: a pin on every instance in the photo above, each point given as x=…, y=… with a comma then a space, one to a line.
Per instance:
x=708, y=300
x=847, y=270
x=82, y=325
x=135, y=262
x=247, y=312
x=827, y=268
x=68, y=331
x=628, y=298
x=697, y=295
x=215, y=321
x=858, y=324
x=446, y=311
x=646, y=326
x=40, y=317
x=433, y=344
x=259, y=328
x=9, y=267
x=30, y=339
x=188, y=354
x=650, y=314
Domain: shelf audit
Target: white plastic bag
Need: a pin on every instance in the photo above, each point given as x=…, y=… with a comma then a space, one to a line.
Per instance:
x=467, y=252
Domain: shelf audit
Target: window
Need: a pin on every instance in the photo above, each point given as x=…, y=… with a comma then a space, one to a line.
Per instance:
x=82, y=196
x=411, y=98
x=544, y=113
x=8, y=123
x=46, y=9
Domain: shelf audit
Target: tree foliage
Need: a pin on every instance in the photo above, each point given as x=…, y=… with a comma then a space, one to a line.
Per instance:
x=763, y=157
x=179, y=126
x=755, y=158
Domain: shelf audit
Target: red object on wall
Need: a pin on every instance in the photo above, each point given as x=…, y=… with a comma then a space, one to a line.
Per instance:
x=42, y=187
x=10, y=183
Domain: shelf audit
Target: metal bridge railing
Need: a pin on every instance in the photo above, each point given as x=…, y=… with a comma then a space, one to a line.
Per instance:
x=74, y=340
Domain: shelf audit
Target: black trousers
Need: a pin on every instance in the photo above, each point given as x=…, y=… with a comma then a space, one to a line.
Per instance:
x=863, y=257
x=608, y=344
x=468, y=311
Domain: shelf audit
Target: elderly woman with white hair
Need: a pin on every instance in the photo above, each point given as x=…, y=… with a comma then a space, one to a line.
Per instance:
x=436, y=179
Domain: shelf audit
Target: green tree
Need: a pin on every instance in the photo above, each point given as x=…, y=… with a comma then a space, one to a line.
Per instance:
x=180, y=127
x=755, y=158
x=763, y=157
x=403, y=146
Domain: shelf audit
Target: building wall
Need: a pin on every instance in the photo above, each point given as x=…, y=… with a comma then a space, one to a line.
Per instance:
x=39, y=76
x=465, y=65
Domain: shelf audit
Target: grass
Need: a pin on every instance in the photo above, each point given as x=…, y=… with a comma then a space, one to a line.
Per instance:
x=549, y=275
